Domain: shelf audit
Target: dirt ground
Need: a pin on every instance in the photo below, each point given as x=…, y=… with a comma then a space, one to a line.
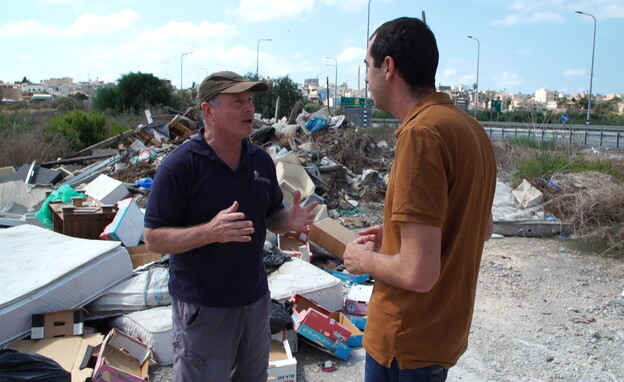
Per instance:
x=546, y=310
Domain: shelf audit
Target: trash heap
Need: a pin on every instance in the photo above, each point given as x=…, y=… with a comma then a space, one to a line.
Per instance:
x=81, y=217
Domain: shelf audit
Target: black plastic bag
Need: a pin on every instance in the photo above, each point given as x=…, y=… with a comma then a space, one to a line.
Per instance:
x=274, y=258
x=280, y=317
x=18, y=366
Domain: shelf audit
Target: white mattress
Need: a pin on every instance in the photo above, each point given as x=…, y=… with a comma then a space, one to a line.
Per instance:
x=148, y=288
x=44, y=271
x=153, y=327
x=298, y=276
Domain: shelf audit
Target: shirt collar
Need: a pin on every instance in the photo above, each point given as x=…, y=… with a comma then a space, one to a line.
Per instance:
x=438, y=98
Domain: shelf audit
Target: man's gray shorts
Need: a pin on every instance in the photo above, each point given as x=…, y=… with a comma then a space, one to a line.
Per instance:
x=221, y=344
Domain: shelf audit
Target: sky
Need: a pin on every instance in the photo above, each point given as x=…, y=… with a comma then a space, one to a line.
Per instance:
x=520, y=46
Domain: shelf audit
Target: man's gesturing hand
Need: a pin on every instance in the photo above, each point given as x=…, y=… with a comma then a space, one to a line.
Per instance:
x=228, y=225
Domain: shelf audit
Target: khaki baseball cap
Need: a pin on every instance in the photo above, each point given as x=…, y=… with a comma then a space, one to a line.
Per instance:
x=227, y=82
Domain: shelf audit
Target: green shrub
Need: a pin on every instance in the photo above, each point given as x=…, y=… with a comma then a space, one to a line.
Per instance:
x=77, y=128
x=11, y=123
x=546, y=164
x=532, y=142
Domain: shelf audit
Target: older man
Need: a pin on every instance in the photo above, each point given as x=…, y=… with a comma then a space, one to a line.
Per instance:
x=210, y=205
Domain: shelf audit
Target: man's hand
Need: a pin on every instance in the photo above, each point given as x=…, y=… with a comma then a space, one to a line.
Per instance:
x=228, y=226
x=357, y=254
x=374, y=234
x=299, y=217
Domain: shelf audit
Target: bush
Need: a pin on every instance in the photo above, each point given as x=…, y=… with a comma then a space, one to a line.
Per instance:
x=532, y=142
x=77, y=128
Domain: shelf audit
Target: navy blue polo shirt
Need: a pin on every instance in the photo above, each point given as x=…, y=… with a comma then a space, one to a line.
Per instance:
x=190, y=187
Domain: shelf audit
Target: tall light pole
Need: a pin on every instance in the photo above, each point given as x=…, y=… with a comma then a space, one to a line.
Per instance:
x=258, y=54
x=591, y=75
x=477, y=86
x=182, y=68
x=366, y=71
x=335, y=80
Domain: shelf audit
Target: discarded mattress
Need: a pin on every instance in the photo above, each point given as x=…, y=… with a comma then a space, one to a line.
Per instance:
x=153, y=327
x=44, y=271
x=148, y=288
x=298, y=276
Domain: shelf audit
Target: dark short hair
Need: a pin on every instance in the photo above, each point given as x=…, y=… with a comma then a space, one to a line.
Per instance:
x=412, y=45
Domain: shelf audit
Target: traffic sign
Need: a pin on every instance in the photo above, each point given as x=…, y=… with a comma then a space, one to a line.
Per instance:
x=564, y=118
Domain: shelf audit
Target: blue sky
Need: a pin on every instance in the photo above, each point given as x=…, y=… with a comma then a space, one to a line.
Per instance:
x=524, y=44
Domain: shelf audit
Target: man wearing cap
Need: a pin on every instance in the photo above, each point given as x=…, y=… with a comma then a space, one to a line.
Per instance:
x=212, y=200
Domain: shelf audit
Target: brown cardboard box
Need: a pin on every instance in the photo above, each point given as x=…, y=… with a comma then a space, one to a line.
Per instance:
x=122, y=358
x=141, y=256
x=282, y=364
x=332, y=236
x=62, y=323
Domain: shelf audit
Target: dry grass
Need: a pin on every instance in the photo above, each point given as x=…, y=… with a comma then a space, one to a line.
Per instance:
x=593, y=202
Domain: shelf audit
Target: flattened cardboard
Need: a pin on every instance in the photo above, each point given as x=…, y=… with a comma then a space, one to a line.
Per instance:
x=106, y=189
x=72, y=353
x=332, y=236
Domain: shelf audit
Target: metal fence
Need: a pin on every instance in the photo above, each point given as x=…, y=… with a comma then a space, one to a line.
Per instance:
x=581, y=135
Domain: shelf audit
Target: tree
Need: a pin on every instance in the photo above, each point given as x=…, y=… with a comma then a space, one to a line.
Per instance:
x=283, y=88
x=78, y=129
x=135, y=92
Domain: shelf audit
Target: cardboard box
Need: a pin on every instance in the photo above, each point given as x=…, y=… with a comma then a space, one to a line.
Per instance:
x=295, y=244
x=121, y=358
x=293, y=177
x=357, y=299
x=106, y=189
x=355, y=339
x=320, y=212
x=315, y=323
x=332, y=236
x=358, y=321
x=127, y=226
x=347, y=277
x=62, y=323
x=282, y=364
x=287, y=334
x=72, y=353
x=141, y=256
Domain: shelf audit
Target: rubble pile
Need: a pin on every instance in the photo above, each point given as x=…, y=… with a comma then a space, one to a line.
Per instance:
x=54, y=211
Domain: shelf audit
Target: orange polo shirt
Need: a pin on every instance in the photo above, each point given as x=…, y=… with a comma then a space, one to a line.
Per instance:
x=443, y=175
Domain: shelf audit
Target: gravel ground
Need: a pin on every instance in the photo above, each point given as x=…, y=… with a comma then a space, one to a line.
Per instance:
x=545, y=311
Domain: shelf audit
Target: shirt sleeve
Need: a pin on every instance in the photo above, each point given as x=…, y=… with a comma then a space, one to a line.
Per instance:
x=421, y=191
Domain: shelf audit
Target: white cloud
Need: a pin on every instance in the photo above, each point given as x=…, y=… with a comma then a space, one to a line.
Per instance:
x=523, y=52
x=574, y=72
x=266, y=10
x=352, y=54
x=85, y=24
x=29, y=30
x=508, y=80
x=88, y=23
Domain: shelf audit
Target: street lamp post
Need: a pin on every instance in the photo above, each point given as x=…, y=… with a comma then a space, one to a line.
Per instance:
x=477, y=87
x=366, y=71
x=591, y=75
x=258, y=54
x=335, y=80
x=182, y=69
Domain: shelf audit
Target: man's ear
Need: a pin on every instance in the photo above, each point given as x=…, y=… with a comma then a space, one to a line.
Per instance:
x=389, y=67
x=206, y=110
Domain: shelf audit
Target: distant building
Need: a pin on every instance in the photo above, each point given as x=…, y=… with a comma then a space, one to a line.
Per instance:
x=10, y=92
